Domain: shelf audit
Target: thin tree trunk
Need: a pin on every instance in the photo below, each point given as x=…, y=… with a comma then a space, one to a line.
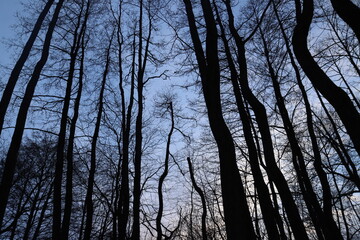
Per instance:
x=139, y=119
x=203, y=202
x=164, y=174
x=266, y=206
x=15, y=73
x=117, y=200
x=90, y=188
x=70, y=151
x=342, y=209
x=324, y=224
x=327, y=206
x=273, y=171
x=42, y=213
x=32, y=213
x=339, y=146
x=19, y=211
x=12, y=155
x=123, y=206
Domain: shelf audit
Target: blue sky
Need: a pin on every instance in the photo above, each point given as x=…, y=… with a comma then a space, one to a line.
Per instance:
x=8, y=10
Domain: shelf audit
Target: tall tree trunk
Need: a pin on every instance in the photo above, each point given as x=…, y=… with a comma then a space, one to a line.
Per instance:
x=70, y=151
x=327, y=196
x=138, y=135
x=123, y=205
x=164, y=174
x=117, y=200
x=335, y=95
x=272, y=169
x=15, y=73
x=60, y=151
x=90, y=188
x=237, y=216
x=269, y=213
x=324, y=225
x=12, y=155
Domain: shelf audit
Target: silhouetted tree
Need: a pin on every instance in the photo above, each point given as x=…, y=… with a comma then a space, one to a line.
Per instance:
x=11, y=158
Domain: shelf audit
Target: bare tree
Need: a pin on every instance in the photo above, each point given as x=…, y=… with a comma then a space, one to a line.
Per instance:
x=15, y=73
x=237, y=215
x=336, y=96
x=12, y=155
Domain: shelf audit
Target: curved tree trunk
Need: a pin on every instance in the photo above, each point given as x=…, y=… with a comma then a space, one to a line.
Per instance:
x=237, y=216
x=272, y=170
x=324, y=224
x=268, y=211
x=336, y=96
x=349, y=12
x=164, y=174
x=203, y=202
x=327, y=205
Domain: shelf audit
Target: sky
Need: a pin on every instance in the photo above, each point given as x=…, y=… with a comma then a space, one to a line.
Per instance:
x=8, y=10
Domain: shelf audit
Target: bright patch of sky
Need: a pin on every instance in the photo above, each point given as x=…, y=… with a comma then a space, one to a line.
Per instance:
x=8, y=9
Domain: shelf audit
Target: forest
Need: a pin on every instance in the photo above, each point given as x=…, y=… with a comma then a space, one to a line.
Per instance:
x=181, y=119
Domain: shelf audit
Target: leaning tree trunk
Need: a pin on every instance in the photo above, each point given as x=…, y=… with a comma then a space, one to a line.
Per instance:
x=335, y=95
x=272, y=169
x=203, y=201
x=15, y=73
x=326, y=190
x=268, y=211
x=70, y=151
x=76, y=44
x=349, y=12
x=324, y=224
x=12, y=155
x=237, y=216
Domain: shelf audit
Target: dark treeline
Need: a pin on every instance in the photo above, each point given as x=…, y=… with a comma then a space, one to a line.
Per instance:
x=209, y=119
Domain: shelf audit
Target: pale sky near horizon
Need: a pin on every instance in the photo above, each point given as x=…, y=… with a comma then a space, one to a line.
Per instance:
x=8, y=9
